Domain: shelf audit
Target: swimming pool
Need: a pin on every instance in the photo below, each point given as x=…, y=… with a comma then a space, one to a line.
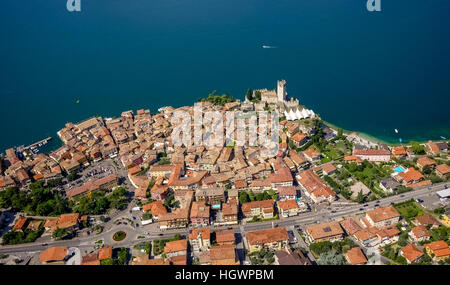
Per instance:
x=399, y=169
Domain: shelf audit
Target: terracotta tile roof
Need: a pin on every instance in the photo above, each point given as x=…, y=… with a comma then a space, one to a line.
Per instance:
x=134, y=170
x=314, y=185
x=57, y=253
x=179, y=260
x=411, y=175
x=388, y=232
x=351, y=158
x=246, y=207
x=299, y=137
x=267, y=236
x=90, y=259
x=240, y=184
x=223, y=254
x=145, y=260
x=200, y=210
x=282, y=175
x=67, y=220
x=225, y=236
x=425, y=160
x=329, y=167
x=350, y=226
x=51, y=222
x=287, y=191
x=311, y=153
x=381, y=214
x=205, y=233
x=444, y=169
x=38, y=176
x=420, y=184
x=105, y=252
x=91, y=185
x=371, y=152
x=157, y=208
x=34, y=225
x=287, y=204
x=355, y=256
x=324, y=230
x=366, y=234
x=297, y=158
x=162, y=167
x=260, y=183
x=398, y=150
x=19, y=225
x=433, y=147
x=439, y=248
x=289, y=257
x=230, y=208
x=426, y=220
x=420, y=231
x=411, y=252
x=174, y=246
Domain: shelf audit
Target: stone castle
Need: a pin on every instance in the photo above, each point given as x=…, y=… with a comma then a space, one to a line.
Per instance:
x=280, y=100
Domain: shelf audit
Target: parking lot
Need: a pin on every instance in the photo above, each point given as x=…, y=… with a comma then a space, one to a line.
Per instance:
x=432, y=201
x=92, y=172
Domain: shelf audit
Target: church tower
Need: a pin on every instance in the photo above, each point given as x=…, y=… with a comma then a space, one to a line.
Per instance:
x=281, y=90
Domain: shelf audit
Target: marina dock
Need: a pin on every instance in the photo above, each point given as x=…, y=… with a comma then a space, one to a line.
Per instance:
x=38, y=144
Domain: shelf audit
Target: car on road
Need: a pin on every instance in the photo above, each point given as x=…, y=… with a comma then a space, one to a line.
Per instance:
x=230, y=228
x=445, y=186
x=44, y=244
x=333, y=211
x=361, y=209
x=402, y=195
x=392, y=203
x=365, y=205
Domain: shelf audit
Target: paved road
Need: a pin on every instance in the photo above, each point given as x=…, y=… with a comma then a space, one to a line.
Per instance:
x=302, y=219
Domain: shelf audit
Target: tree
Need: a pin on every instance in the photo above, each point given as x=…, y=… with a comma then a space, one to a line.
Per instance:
x=72, y=176
x=427, y=169
x=320, y=247
x=122, y=256
x=251, y=196
x=59, y=234
x=249, y=94
x=418, y=148
x=360, y=198
x=258, y=95
x=243, y=197
x=331, y=258
x=147, y=216
x=403, y=239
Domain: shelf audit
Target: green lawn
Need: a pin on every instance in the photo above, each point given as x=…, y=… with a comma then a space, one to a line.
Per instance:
x=409, y=210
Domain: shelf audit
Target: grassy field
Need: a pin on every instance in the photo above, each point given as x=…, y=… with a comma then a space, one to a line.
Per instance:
x=409, y=210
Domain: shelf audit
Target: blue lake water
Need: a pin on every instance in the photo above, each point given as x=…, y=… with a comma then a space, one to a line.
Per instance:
x=369, y=72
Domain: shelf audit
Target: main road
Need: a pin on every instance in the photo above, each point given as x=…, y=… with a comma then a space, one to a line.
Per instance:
x=334, y=213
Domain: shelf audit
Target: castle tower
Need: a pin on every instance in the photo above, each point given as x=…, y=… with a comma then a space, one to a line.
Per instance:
x=281, y=90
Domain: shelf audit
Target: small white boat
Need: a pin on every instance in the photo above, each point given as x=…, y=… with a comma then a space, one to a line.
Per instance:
x=268, y=47
x=396, y=131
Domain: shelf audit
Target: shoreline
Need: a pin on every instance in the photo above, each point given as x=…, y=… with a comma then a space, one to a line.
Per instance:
x=364, y=136
x=371, y=138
